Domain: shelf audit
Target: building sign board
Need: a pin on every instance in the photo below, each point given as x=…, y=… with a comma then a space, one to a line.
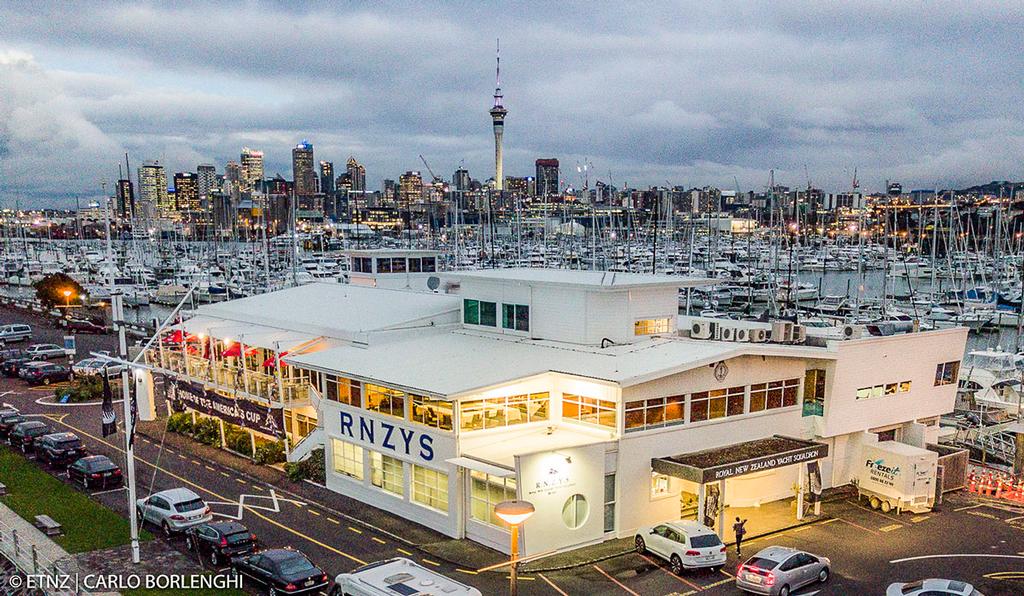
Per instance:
x=389, y=436
x=806, y=451
x=240, y=412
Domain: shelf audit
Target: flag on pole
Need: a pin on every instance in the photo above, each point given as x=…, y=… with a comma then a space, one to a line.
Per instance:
x=134, y=411
x=109, y=417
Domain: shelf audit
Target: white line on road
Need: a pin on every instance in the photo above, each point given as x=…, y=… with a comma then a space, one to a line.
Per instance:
x=957, y=555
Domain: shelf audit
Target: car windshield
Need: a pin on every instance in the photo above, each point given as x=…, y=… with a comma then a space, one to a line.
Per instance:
x=99, y=465
x=186, y=506
x=69, y=444
x=704, y=541
x=761, y=563
x=295, y=565
x=12, y=419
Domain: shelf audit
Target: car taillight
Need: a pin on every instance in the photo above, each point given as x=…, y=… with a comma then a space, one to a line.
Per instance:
x=722, y=550
x=206, y=510
x=95, y=475
x=223, y=542
x=177, y=517
x=117, y=472
x=290, y=587
x=323, y=577
x=740, y=568
x=769, y=580
x=692, y=553
x=252, y=537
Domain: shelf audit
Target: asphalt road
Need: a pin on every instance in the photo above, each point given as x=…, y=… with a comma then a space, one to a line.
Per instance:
x=968, y=539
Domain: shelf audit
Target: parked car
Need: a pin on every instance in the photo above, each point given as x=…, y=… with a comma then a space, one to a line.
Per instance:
x=11, y=366
x=7, y=410
x=9, y=353
x=45, y=351
x=8, y=422
x=58, y=448
x=15, y=332
x=94, y=366
x=85, y=326
x=684, y=544
x=397, y=576
x=778, y=570
x=95, y=470
x=174, y=510
x=932, y=587
x=24, y=434
x=44, y=373
x=219, y=541
x=281, y=571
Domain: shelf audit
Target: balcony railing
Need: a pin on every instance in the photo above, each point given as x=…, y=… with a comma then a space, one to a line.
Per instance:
x=255, y=383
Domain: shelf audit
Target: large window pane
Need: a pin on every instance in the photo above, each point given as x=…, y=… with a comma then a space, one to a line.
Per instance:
x=471, y=312
x=430, y=488
x=348, y=458
x=387, y=473
x=488, y=314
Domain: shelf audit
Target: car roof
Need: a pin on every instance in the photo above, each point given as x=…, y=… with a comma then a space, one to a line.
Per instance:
x=942, y=584
x=177, y=495
x=690, y=527
x=228, y=527
x=62, y=436
x=280, y=554
x=96, y=458
x=30, y=424
x=35, y=364
x=776, y=553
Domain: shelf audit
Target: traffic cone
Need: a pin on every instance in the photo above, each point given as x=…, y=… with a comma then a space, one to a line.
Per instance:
x=999, y=488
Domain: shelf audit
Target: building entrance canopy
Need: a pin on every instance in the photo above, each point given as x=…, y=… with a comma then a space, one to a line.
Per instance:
x=759, y=455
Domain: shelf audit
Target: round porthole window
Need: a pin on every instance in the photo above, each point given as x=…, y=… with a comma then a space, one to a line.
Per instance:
x=575, y=511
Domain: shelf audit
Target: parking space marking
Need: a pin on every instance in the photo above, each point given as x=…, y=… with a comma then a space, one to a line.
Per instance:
x=435, y=563
x=890, y=528
x=356, y=530
x=404, y=552
x=919, y=518
x=469, y=571
x=210, y=468
x=720, y=582
x=656, y=565
x=969, y=507
x=560, y=591
x=858, y=526
x=377, y=540
x=313, y=512
x=196, y=462
x=240, y=481
x=615, y=581
x=957, y=556
x=727, y=574
x=333, y=521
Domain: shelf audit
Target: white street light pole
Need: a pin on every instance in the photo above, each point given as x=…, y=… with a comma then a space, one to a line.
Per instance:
x=514, y=513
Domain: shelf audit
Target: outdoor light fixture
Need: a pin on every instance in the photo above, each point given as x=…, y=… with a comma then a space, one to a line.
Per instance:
x=514, y=513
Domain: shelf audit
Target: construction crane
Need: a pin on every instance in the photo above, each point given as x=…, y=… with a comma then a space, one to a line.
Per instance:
x=435, y=177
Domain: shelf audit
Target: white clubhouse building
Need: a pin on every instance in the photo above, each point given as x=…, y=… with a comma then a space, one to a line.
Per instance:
x=575, y=390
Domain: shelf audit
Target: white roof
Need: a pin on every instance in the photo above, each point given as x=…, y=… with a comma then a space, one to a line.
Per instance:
x=607, y=280
x=459, y=361
x=333, y=310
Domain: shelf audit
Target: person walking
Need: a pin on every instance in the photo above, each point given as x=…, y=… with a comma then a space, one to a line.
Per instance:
x=739, y=529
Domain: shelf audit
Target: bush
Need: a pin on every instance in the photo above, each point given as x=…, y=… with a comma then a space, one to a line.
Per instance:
x=311, y=468
x=270, y=453
x=239, y=442
x=207, y=431
x=180, y=422
x=81, y=389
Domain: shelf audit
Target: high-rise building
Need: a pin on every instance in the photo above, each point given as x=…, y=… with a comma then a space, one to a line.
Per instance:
x=252, y=168
x=518, y=185
x=233, y=173
x=356, y=174
x=152, y=188
x=206, y=176
x=303, y=176
x=460, y=180
x=547, y=177
x=390, y=192
x=186, y=191
x=125, y=198
x=410, y=189
x=326, y=177
x=498, y=113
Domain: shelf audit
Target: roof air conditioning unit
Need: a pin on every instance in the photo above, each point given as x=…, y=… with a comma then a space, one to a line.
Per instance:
x=799, y=334
x=853, y=331
x=728, y=334
x=758, y=335
x=743, y=334
x=782, y=331
x=702, y=330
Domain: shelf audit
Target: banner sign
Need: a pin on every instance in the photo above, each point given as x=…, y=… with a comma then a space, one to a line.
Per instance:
x=240, y=412
x=768, y=462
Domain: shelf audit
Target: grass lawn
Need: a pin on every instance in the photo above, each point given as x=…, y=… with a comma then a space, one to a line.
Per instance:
x=87, y=524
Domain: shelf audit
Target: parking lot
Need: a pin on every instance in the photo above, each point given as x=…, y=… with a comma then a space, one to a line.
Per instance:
x=968, y=538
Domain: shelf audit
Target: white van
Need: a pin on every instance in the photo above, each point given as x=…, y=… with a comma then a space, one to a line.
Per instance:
x=398, y=576
x=12, y=333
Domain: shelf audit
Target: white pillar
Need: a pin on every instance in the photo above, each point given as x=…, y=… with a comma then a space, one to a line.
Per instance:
x=144, y=394
x=721, y=507
x=701, y=503
x=800, y=492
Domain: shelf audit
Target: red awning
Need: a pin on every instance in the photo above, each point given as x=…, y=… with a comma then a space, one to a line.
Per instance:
x=271, y=362
x=235, y=350
x=177, y=336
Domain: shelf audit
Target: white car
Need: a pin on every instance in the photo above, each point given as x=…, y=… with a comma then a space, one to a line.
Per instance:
x=684, y=544
x=94, y=366
x=174, y=510
x=932, y=587
x=45, y=351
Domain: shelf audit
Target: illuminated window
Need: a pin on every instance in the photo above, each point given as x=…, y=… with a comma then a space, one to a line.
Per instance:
x=717, y=403
x=432, y=412
x=904, y=386
x=385, y=400
x=814, y=393
x=486, y=491
x=659, y=485
x=946, y=373
x=430, y=488
x=387, y=473
x=588, y=409
x=655, y=412
x=496, y=412
x=652, y=326
x=348, y=458
x=343, y=390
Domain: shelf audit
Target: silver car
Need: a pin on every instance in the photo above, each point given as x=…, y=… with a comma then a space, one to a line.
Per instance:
x=45, y=351
x=174, y=510
x=13, y=333
x=932, y=587
x=778, y=570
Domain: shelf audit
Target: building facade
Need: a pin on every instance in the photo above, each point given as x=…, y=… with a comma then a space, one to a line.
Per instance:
x=251, y=173
x=303, y=175
x=547, y=177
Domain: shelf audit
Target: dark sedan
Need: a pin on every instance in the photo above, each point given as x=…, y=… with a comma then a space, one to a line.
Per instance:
x=12, y=366
x=85, y=326
x=281, y=571
x=58, y=449
x=9, y=353
x=44, y=373
x=24, y=435
x=219, y=541
x=95, y=470
x=8, y=422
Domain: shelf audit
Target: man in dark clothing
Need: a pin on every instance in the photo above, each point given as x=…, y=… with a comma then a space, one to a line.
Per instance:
x=740, y=530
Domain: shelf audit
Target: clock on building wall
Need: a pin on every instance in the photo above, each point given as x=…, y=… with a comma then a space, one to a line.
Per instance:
x=721, y=371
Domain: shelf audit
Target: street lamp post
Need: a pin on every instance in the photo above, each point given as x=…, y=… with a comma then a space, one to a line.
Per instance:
x=67, y=298
x=514, y=513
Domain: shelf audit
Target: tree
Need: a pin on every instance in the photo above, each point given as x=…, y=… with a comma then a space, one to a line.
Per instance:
x=59, y=289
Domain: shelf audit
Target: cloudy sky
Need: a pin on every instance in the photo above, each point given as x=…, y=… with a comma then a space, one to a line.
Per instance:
x=928, y=94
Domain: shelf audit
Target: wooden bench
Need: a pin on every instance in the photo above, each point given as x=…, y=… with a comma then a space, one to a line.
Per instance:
x=48, y=525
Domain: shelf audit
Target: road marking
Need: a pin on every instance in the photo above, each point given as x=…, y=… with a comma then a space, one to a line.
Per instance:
x=1010, y=519
x=169, y=450
x=727, y=573
x=858, y=526
x=225, y=474
x=218, y=496
x=196, y=462
x=210, y=468
x=617, y=582
x=429, y=562
x=919, y=518
x=113, y=490
x=471, y=572
x=257, y=487
x=957, y=555
x=1005, y=575
x=719, y=583
x=313, y=512
x=404, y=552
x=890, y=528
x=240, y=481
x=333, y=521
x=969, y=507
x=827, y=521
x=356, y=530
x=560, y=591
x=377, y=540
x=182, y=456
x=657, y=566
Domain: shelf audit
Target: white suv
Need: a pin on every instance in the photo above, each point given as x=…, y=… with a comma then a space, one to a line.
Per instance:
x=174, y=510
x=684, y=544
x=12, y=333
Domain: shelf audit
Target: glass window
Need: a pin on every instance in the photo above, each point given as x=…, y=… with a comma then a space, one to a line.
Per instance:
x=387, y=473
x=790, y=392
x=588, y=409
x=699, y=406
x=904, y=386
x=383, y=265
x=609, y=503
x=471, y=311
x=488, y=314
x=890, y=388
x=515, y=316
x=758, y=397
x=414, y=265
x=385, y=400
x=398, y=265
x=348, y=458
x=635, y=415
x=774, y=395
x=508, y=316
x=429, y=264
x=430, y=488
x=342, y=390
x=432, y=412
x=575, y=511
x=498, y=412
x=486, y=491
x=814, y=392
x=659, y=484
x=652, y=326
x=946, y=373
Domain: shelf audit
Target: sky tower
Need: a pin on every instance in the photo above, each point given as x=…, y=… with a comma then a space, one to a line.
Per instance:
x=498, y=118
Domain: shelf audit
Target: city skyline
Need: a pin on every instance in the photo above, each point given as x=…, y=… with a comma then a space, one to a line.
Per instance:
x=669, y=95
